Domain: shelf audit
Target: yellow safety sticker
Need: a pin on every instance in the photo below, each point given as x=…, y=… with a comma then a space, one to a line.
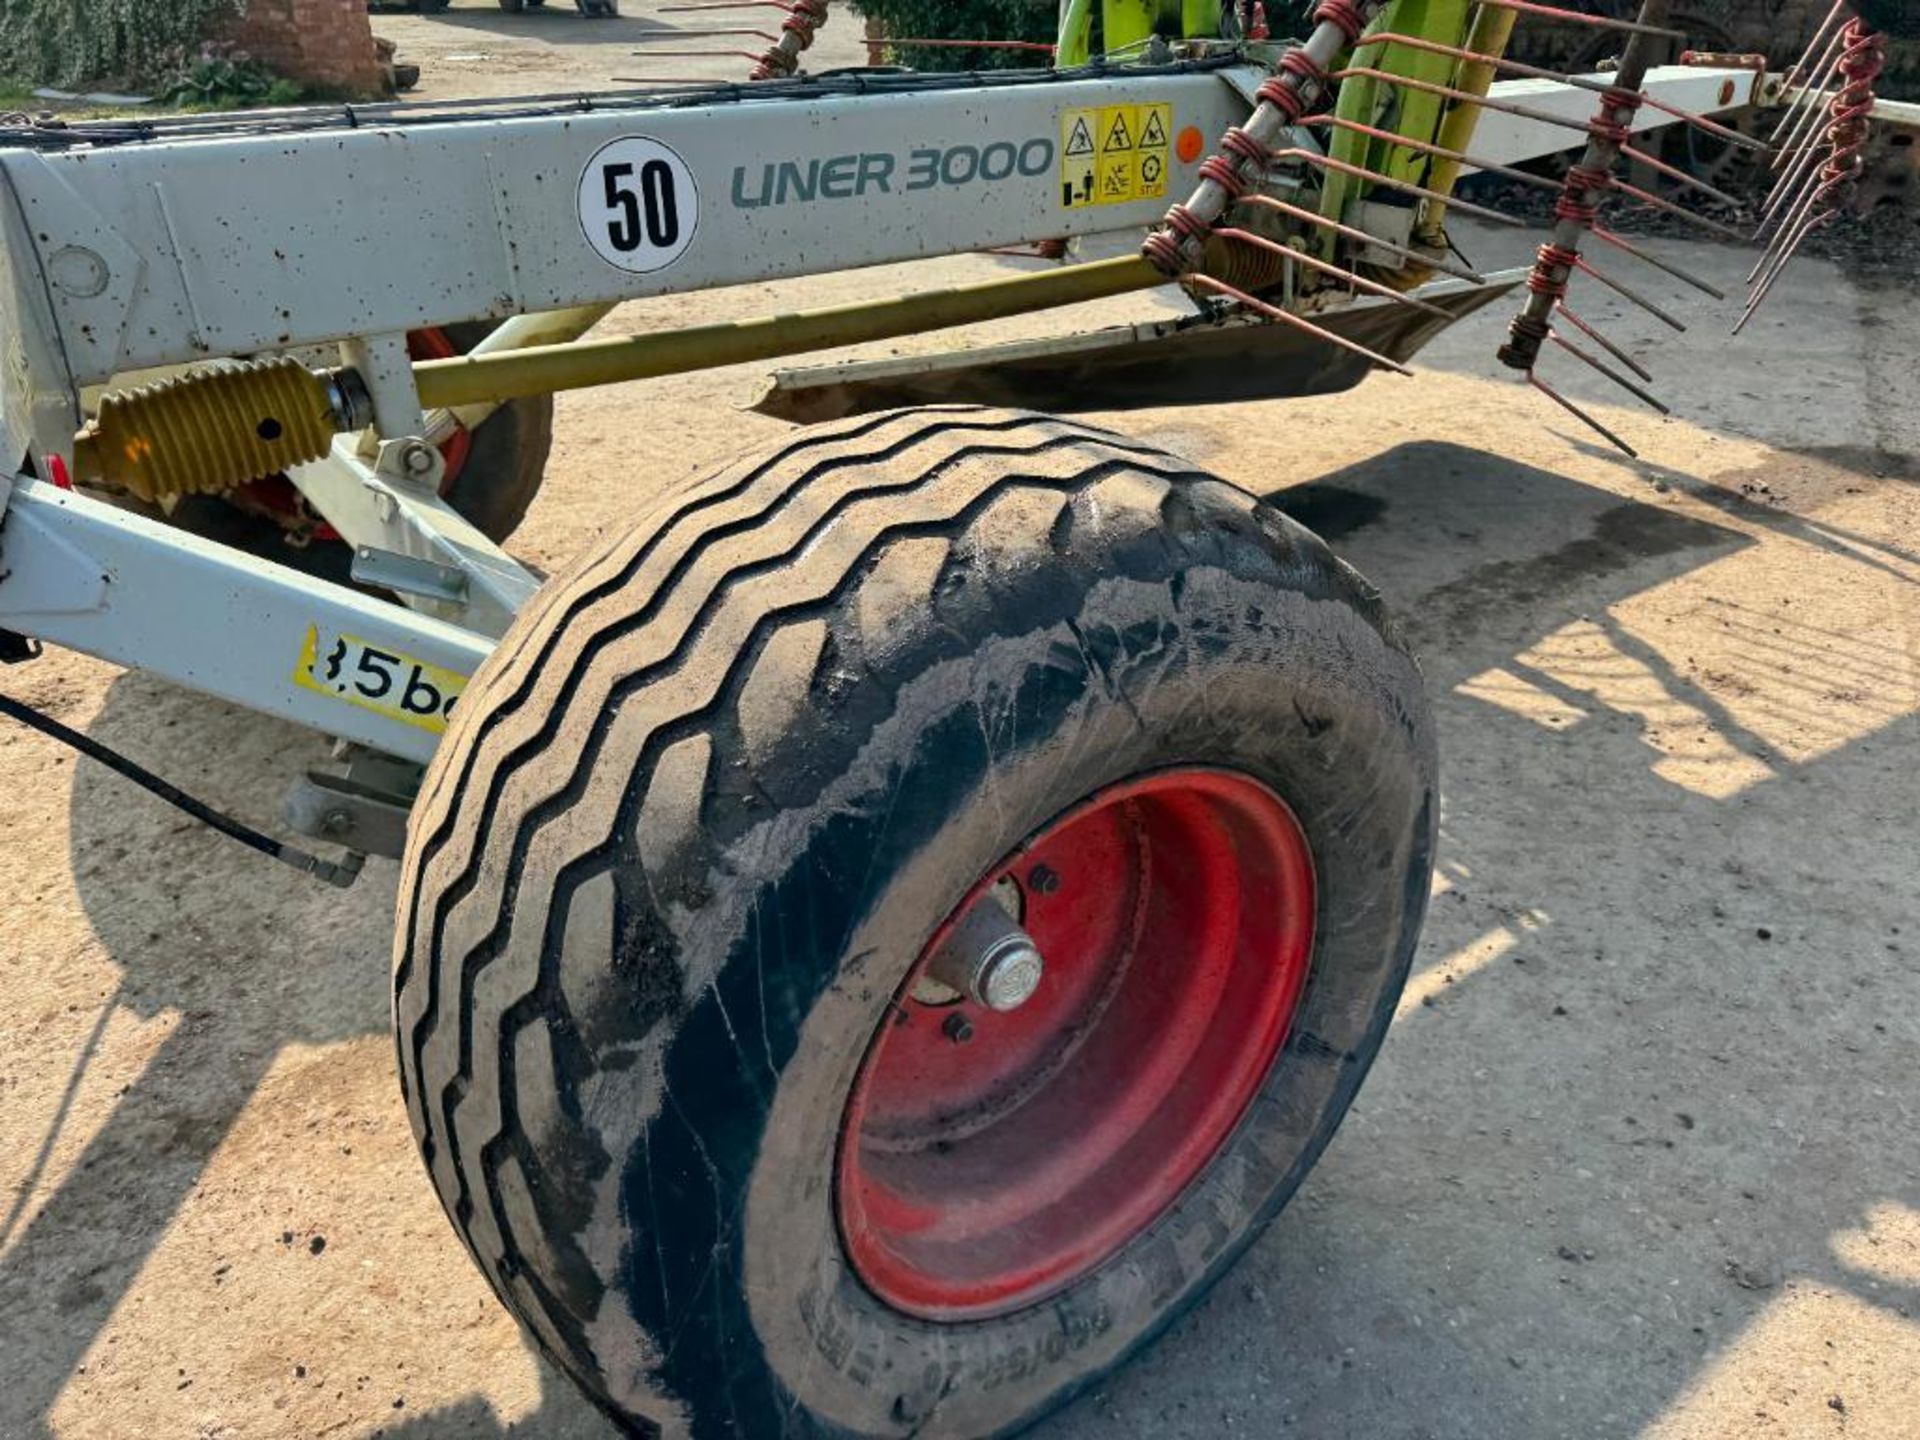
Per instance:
x=345, y=667
x=1115, y=154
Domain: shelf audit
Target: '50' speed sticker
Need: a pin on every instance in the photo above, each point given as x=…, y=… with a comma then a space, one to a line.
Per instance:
x=639, y=205
x=345, y=667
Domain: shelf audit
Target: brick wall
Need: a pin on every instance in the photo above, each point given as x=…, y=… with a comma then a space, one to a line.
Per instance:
x=323, y=42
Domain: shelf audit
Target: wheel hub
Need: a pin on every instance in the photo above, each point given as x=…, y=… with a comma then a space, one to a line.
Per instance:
x=991, y=1155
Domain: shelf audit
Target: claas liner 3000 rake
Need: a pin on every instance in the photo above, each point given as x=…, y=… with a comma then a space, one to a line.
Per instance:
x=881, y=934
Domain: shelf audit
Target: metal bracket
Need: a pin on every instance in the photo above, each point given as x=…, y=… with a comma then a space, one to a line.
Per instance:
x=330, y=808
x=405, y=575
x=386, y=508
x=365, y=809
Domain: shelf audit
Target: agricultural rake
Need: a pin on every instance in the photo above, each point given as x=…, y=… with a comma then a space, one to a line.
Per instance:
x=883, y=931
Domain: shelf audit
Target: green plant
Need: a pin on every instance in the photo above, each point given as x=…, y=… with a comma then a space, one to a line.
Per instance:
x=222, y=77
x=74, y=42
x=1031, y=20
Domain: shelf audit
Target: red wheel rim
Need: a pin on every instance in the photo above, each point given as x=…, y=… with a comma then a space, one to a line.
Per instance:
x=977, y=1176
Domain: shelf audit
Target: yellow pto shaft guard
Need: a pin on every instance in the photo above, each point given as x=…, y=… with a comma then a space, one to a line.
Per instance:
x=207, y=432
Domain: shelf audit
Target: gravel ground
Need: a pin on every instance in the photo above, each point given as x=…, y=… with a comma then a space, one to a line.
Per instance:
x=1640, y=1158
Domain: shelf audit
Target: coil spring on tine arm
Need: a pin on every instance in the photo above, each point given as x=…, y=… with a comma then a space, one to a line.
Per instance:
x=1809, y=195
x=1164, y=246
x=1300, y=79
x=1860, y=67
x=1579, y=199
x=1292, y=100
x=1351, y=18
x=1614, y=123
x=1552, y=270
x=803, y=22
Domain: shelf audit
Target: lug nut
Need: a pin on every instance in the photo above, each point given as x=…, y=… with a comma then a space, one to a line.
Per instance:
x=958, y=1029
x=989, y=959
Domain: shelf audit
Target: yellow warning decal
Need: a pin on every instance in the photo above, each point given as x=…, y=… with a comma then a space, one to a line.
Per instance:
x=387, y=682
x=1115, y=154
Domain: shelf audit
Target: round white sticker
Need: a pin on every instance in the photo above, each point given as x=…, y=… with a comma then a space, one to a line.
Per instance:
x=639, y=206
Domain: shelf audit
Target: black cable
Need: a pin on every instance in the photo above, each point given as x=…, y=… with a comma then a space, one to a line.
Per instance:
x=341, y=875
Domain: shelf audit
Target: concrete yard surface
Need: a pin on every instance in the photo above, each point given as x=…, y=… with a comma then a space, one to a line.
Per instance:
x=1641, y=1157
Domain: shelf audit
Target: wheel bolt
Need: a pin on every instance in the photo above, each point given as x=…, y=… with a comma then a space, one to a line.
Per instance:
x=1044, y=879
x=958, y=1029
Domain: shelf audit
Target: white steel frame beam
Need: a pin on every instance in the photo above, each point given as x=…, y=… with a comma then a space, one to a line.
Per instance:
x=90, y=577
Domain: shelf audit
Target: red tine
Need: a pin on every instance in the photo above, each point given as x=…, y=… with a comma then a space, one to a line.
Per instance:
x=1581, y=264
x=1809, y=104
x=1817, y=198
x=650, y=36
x=1795, y=75
x=1439, y=152
x=1607, y=370
x=1580, y=17
x=1314, y=217
x=1604, y=343
x=1528, y=112
x=892, y=41
x=1327, y=162
x=1286, y=317
x=1803, y=74
x=1788, y=185
x=1674, y=173
x=1861, y=53
x=1372, y=287
x=780, y=5
x=687, y=55
x=1581, y=415
x=1667, y=207
x=1464, y=97
x=1645, y=257
x=1578, y=82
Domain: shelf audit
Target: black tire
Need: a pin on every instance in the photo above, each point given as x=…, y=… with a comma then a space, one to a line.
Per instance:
x=432, y=7
x=718, y=785
x=508, y=459
x=513, y=7
x=598, y=9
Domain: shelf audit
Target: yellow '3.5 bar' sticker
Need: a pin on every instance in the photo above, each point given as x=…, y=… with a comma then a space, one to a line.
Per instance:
x=1114, y=154
x=345, y=667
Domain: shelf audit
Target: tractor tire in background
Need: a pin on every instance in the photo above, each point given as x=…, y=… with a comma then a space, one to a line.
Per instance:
x=682, y=892
x=1778, y=29
x=506, y=458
